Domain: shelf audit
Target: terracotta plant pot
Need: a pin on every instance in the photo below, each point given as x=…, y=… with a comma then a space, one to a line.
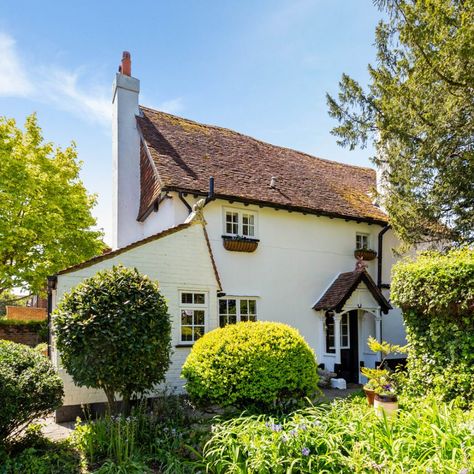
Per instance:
x=366, y=254
x=240, y=244
x=386, y=404
x=370, y=395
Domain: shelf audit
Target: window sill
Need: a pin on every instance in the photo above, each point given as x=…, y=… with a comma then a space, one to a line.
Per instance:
x=184, y=345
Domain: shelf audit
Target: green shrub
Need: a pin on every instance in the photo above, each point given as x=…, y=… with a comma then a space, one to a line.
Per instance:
x=436, y=294
x=35, y=454
x=259, y=363
x=114, y=333
x=29, y=387
x=346, y=437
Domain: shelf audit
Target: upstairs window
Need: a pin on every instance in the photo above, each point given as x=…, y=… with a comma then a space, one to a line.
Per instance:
x=234, y=310
x=240, y=223
x=362, y=241
x=193, y=309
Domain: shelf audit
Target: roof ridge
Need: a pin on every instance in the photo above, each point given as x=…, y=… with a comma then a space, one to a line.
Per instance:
x=217, y=127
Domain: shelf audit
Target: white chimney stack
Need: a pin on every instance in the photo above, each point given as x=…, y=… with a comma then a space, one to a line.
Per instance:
x=126, y=156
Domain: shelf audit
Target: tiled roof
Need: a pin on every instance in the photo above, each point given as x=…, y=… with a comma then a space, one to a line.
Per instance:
x=342, y=288
x=186, y=154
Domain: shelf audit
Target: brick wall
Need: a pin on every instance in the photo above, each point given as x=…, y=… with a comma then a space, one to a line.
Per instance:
x=26, y=313
x=21, y=334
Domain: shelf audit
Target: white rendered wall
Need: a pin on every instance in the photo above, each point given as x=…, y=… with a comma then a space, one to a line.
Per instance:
x=125, y=161
x=179, y=261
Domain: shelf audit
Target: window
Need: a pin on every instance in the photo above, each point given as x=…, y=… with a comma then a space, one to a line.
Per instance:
x=241, y=223
x=362, y=241
x=193, y=309
x=345, y=333
x=233, y=310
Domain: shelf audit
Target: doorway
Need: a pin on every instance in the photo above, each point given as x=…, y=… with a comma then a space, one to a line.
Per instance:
x=349, y=369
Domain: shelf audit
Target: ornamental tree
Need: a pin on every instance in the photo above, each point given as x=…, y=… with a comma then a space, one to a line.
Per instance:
x=114, y=333
x=418, y=112
x=45, y=211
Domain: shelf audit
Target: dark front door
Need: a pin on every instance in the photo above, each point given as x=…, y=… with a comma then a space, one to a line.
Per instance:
x=349, y=347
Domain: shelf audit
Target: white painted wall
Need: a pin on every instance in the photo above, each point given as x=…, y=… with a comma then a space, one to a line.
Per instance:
x=125, y=161
x=179, y=261
x=298, y=257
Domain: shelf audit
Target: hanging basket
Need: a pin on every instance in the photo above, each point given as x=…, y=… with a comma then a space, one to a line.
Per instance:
x=366, y=254
x=240, y=244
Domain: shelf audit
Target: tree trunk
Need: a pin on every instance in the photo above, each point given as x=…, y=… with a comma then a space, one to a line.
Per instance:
x=109, y=393
x=126, y=404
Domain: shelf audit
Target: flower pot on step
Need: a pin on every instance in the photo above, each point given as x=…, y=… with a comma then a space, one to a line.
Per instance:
x=386, y=404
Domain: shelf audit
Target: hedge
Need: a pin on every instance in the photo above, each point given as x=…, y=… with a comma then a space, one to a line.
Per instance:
x=436, y=294
x=251, y=363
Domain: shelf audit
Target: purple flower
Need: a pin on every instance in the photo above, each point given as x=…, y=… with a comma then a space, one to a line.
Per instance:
x=293, y=433
x=303, y=427
x=284, y=439
x=276, y=428
x=305, y=451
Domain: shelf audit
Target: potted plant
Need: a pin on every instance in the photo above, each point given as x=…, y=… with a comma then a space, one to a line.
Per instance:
x=381, y=389
x=237, y=243
x=365, y=253
x=374, y=377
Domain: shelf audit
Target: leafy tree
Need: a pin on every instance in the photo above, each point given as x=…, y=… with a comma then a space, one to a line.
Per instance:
x=114, y=333
x=45, y=211
x=418, y=111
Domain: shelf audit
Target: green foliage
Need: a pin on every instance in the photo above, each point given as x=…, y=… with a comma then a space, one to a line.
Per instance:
x=260, y=363
x=34, y=454
x=346, y=437
x=45, y=211
x=29, y=387
x=141, y=441
x=418, y=112
x=436, y=294
x=114, y=333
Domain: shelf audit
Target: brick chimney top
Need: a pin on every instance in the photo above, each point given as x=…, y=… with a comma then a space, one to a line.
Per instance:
x=126, y=66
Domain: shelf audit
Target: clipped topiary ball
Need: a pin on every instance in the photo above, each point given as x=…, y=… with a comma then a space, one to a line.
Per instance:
x=258, y=363
x=29, y=387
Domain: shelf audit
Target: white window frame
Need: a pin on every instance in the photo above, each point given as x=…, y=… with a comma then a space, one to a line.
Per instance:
x=238, y=313
x=240, y=225
x=363, y=236
x=192, y=307
x=346, y=325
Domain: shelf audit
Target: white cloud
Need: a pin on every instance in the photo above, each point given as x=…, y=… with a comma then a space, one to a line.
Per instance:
x=13, y=77
x=63, y=89
x=172, y=106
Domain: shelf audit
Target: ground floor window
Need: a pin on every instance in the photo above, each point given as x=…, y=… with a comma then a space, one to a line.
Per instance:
x=193, y=310
x=345, y=333
x=233, y=310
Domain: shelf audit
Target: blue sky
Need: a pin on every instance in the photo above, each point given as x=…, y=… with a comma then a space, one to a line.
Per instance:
x=261, y=67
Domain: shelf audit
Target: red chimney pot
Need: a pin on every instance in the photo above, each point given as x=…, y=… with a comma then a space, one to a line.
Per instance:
x=126, y=66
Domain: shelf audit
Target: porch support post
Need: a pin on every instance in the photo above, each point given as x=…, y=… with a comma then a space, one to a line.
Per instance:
x=378, y=330
x=337, y=337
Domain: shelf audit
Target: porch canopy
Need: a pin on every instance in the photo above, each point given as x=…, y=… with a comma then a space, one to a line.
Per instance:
x=347, y=293
x=342, y=288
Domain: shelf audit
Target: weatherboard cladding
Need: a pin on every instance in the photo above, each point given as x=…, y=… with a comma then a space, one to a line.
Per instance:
x=186, y=154
x=342, y=288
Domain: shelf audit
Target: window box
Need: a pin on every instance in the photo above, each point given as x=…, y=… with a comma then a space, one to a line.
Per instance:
x=239, y=244
x=366, y=254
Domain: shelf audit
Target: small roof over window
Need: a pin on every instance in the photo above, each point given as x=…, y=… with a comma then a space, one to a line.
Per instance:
x=342, y=288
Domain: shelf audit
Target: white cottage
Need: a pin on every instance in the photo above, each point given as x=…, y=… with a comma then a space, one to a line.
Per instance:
x=273, y=237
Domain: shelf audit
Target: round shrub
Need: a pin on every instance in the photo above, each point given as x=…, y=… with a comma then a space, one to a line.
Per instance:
x=29, y=387
x=114, y=333
x=258, y=363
